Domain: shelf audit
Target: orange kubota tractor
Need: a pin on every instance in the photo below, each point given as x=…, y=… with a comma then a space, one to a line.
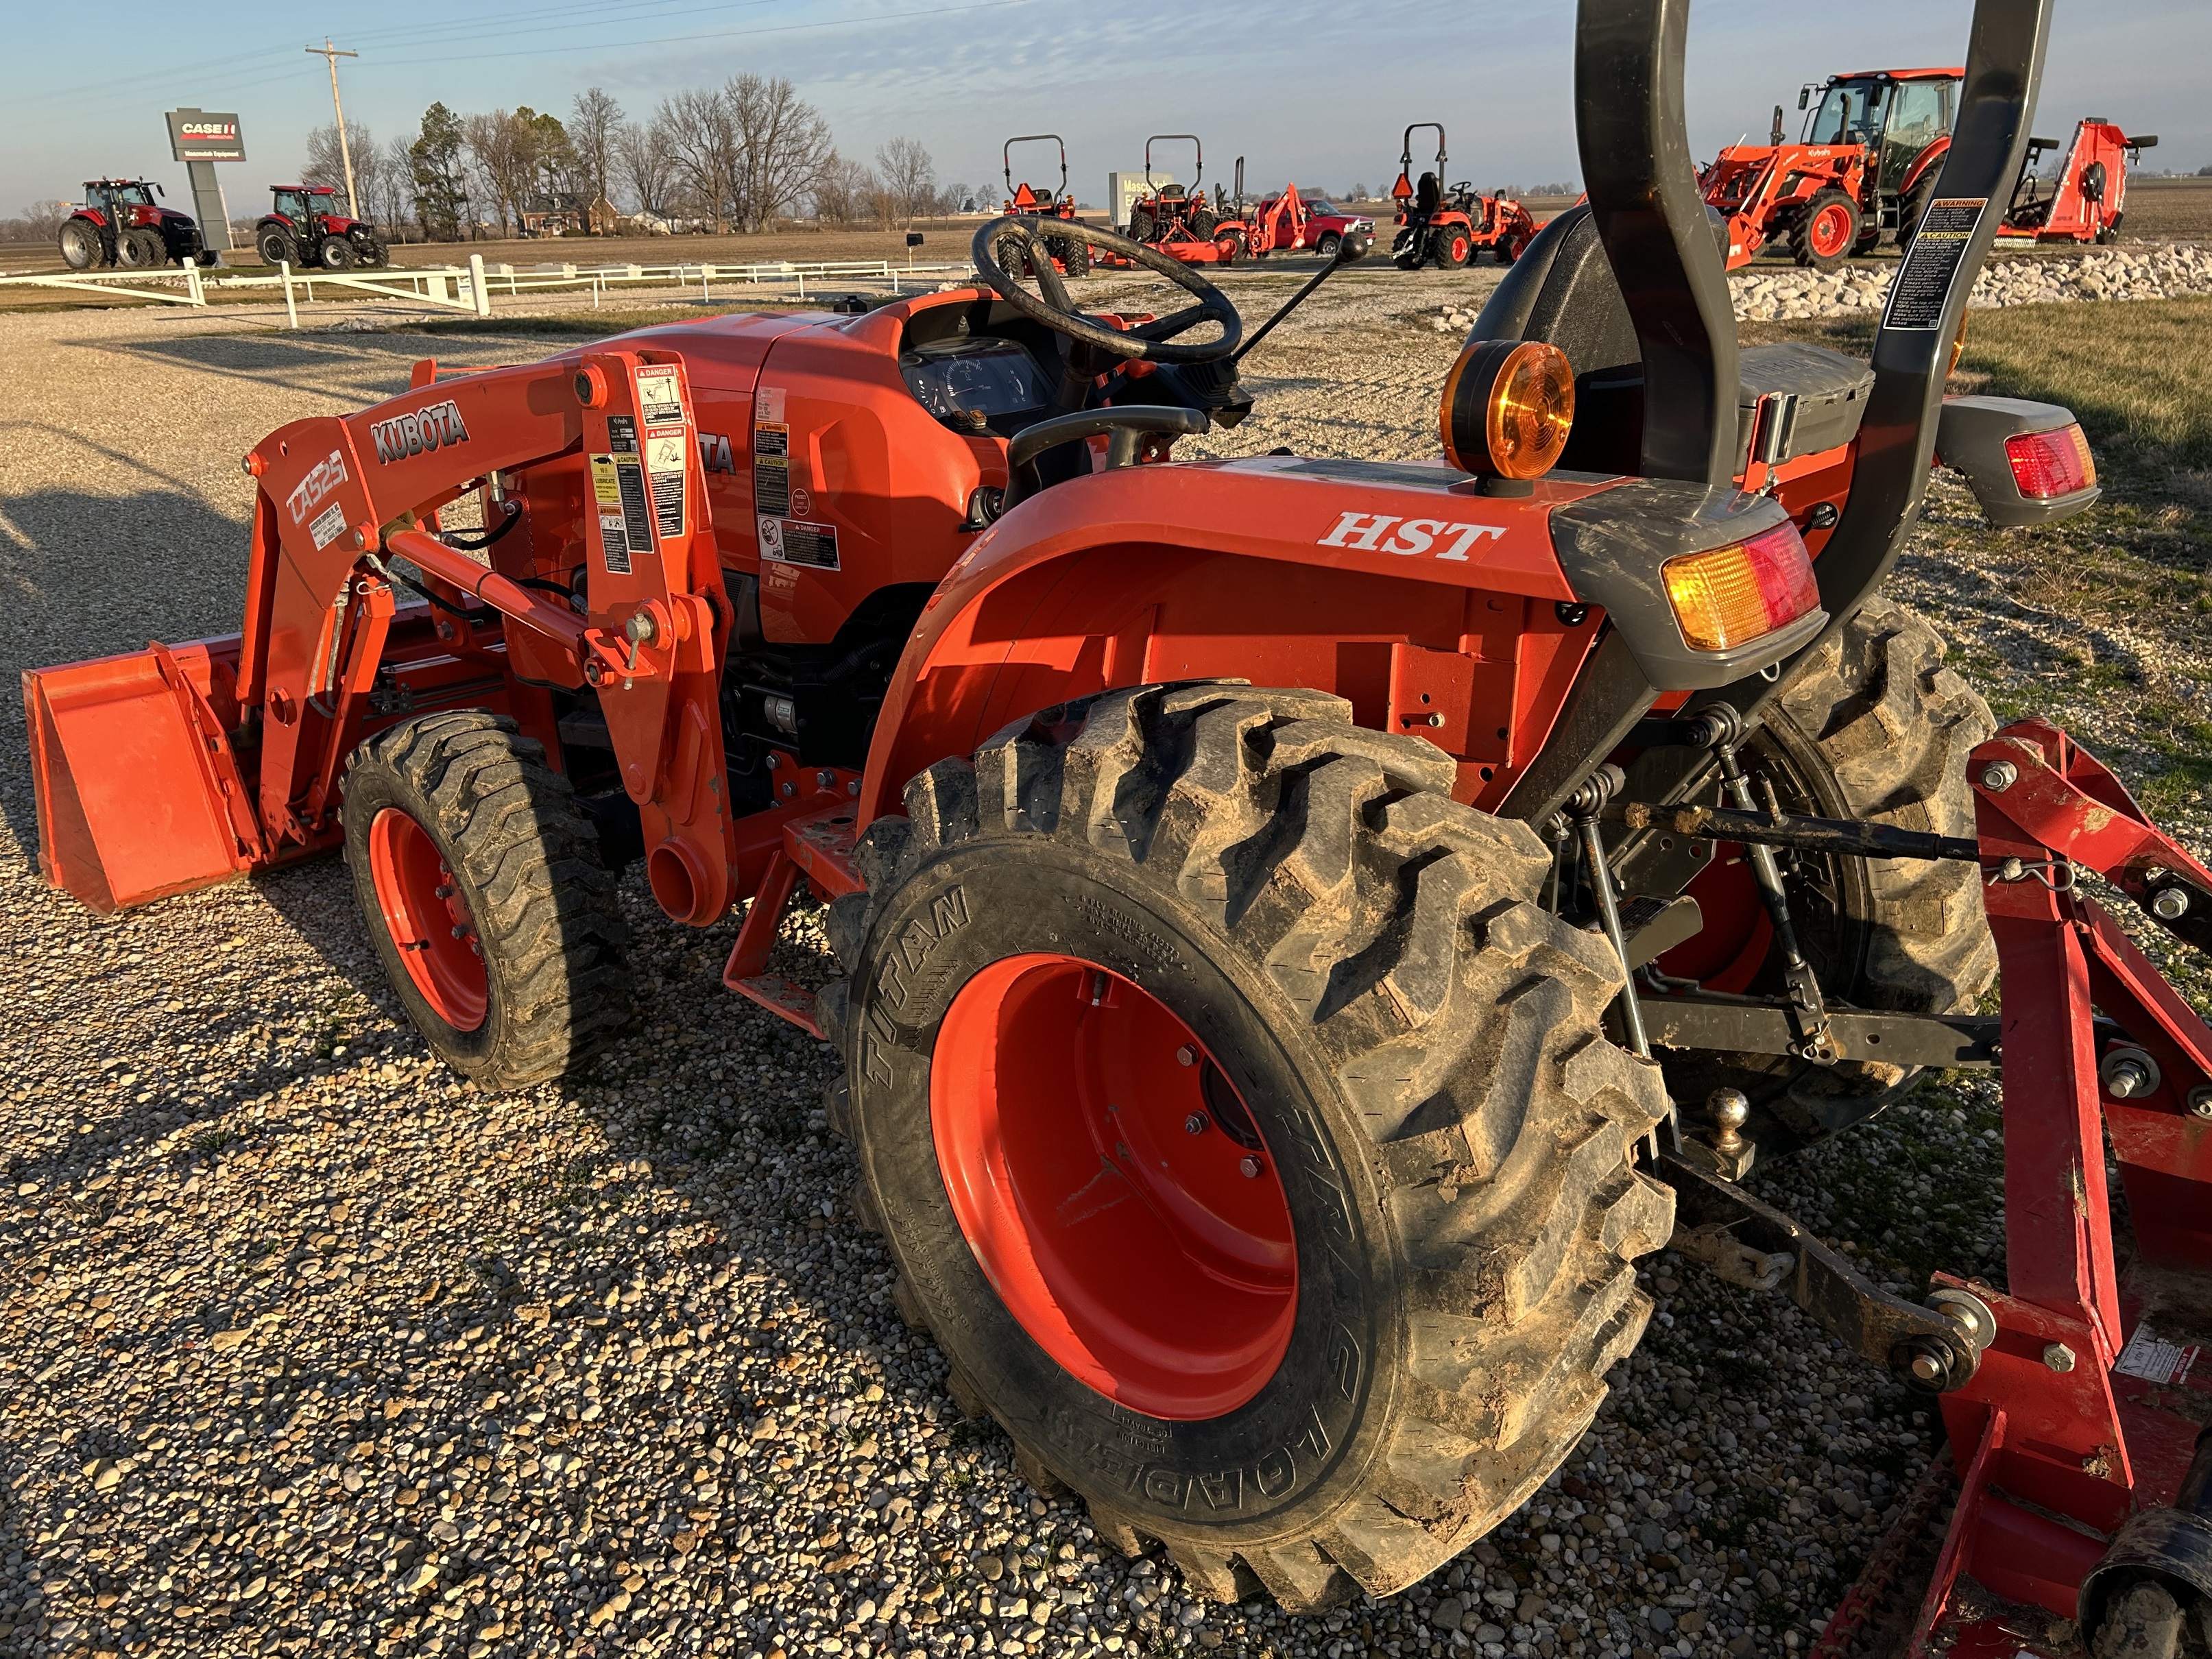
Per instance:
x=1447, y=227
x=1070, y=254
x=1278, y=902
x=1872, y=151
x=1179, y=219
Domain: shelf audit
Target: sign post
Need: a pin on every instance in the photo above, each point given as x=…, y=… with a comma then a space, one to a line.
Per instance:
x=199, y=140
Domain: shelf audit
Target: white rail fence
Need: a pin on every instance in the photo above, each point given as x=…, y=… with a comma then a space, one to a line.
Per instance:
x=469, y=288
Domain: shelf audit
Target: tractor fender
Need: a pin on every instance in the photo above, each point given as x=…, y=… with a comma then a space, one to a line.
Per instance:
x=1382, y=582
x=1927, y=162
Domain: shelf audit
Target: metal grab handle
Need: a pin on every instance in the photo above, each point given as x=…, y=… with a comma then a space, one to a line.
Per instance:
x=1028, y=445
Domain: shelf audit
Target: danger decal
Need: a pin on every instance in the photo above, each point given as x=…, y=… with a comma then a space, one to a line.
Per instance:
x=660, y=400
x=664, y=464
x=795, y=541
x=420, y=432
x=322, y=479
x=1384, y=533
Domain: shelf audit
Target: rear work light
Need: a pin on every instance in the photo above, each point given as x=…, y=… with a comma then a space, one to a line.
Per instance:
x=2048, y=465
x=1727, y=595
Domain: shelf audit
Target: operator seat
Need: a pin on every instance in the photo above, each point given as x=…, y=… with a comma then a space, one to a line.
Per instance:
x=1562, y=291
x=1429, y=195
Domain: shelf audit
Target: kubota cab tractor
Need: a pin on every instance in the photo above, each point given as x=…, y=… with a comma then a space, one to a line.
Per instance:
x=1072, y=254
x=121, y=223
x=300, y=231
x=1304, y=926
x=1872, y=151
x=1179, y=221
x=1447, y=227
x=2087, y=198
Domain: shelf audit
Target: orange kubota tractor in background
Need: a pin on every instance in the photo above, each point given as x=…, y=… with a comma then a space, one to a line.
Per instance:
x=1070, y=254
x=1448, y=226
x=1279, y=901
x=2086, y=198
x=1868, y=165
x=1179, y=219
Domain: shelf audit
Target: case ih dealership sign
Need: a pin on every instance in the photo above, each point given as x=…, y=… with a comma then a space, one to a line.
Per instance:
x=195, y=134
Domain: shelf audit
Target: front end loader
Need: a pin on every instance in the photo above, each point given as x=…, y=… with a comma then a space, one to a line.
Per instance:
x=1282, y=906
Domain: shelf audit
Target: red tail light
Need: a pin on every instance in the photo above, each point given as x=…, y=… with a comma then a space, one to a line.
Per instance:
x=2048, y=464
x=1727, y=595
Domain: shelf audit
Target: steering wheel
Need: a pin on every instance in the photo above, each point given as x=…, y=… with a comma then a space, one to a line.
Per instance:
x=1050, y=306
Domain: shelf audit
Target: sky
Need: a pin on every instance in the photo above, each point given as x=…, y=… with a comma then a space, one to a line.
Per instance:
x=1305, y=90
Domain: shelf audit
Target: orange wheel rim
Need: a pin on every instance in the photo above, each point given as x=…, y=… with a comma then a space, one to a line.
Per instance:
x=1113, y=1188
x=429, y=919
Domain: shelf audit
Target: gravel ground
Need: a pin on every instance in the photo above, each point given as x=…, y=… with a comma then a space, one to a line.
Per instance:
x=309, y=1344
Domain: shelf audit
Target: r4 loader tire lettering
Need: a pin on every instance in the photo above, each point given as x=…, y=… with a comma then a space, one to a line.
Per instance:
x=1244, y=1132
x=481, y=882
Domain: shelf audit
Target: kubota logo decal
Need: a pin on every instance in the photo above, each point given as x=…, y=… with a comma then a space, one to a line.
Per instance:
x=326, y=477
x=420, y=432
x=714, y=453
x=1410, y=536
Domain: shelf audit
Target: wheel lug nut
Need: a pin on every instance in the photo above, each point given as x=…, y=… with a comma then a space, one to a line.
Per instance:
x=445, y=891
x=1249, y=1168
x=1195, y=1124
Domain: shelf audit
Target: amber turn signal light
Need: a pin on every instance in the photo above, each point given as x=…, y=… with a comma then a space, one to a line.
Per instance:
x=1509, y=406
x=1727, y=595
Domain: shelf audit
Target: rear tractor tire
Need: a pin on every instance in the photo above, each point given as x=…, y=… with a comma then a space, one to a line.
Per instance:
x=1243, y=1131
x=81, y=245
x=480, y=878
x=1871, y=726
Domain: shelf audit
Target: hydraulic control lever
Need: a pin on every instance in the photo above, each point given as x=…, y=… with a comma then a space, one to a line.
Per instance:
x=1352, y=247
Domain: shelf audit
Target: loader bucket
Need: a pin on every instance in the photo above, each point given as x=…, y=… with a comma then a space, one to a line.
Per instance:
x=138, y=794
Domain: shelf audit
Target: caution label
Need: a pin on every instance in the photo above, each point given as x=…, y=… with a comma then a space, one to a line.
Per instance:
x=2157, y=1359
x=629, y=485
x=659, y=400
x=796, y=541
x=606, y=501
x=1922, y=282
x=772, y=469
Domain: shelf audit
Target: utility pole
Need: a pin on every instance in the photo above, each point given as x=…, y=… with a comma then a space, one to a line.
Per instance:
x=332, y=55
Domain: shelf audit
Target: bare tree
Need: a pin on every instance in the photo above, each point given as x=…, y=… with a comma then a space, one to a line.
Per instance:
x=647, y=171
x=595, y=129
x=41, y=222
x=909, y=180
x=783, y=144
x=844, y=192
x=393, y=191
x=325, y=163
x=701, y=140
x=504, y=152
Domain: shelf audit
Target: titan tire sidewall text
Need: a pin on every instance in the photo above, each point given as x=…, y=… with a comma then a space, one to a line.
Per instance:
x=1316, y=1420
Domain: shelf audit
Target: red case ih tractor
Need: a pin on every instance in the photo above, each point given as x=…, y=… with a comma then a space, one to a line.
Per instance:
x=1071, y=255
x=2087, y=198
x=300, y=231
x=121, y=224
x=1279, y=901
x=1179, y=221
x=1872, y=151
x=1447, y=227
x=1290, y=223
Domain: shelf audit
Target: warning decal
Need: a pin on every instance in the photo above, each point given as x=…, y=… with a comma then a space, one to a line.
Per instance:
x=658, y=399
x=629, y=483
x=2154, y=1359
x=794, y=541
x=1923, y=282
x=606, y=498
x=772, y=469
x=663, y=462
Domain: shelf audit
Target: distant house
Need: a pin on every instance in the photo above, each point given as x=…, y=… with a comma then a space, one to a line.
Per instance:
x=559, y=214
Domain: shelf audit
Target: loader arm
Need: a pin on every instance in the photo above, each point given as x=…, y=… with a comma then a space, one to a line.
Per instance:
x=589, y=478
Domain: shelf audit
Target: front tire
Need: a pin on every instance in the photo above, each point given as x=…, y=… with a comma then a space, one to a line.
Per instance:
x=1328, y=244
x=1871, y=726
x=1280, y=1112
x=337, y=253
x=480, y=879
x=1823, y=235
x=141, y=249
